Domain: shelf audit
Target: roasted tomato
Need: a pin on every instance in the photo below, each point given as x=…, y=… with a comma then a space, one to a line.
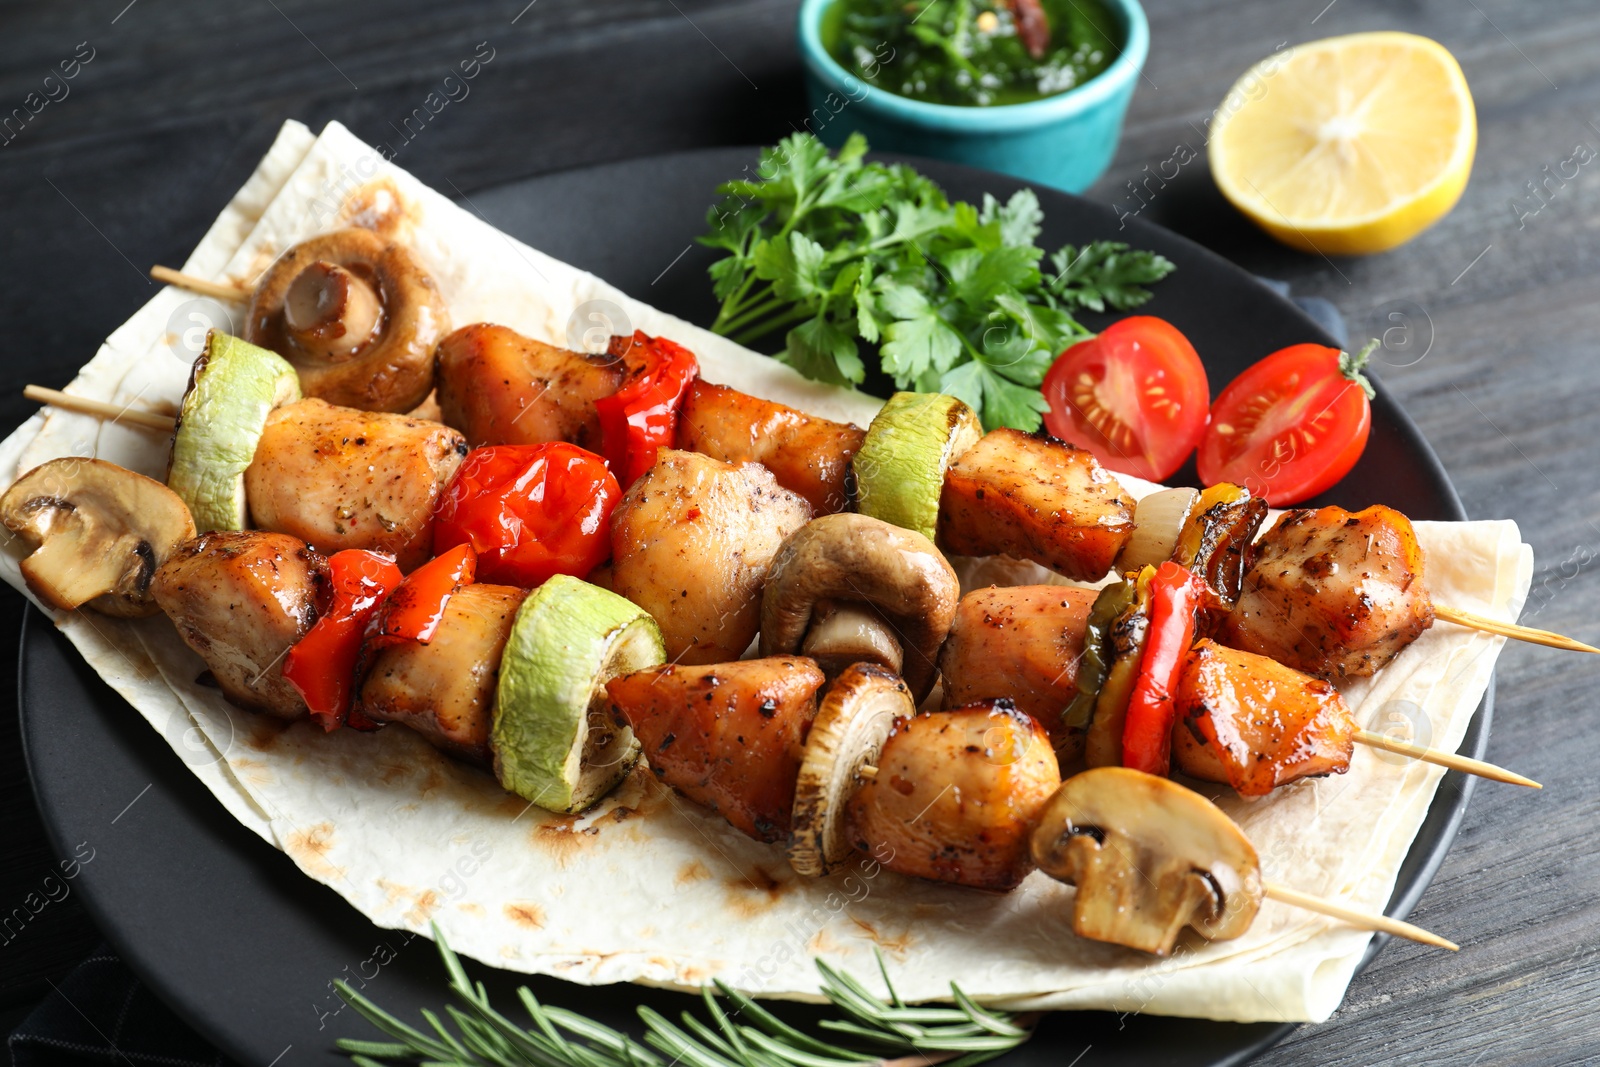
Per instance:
x=1135, y=396
x=1292, y=425
x=530, y=511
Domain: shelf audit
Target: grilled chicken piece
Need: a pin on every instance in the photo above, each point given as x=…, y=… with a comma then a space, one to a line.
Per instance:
x=240, y=599
x=445, y=689
x=1037, y=498
x=691, y=543
x=807, y=455
x=1332, y=593
x=501, y=388
x=729, y=735
x=1022, y=643
x=956, y=795
x=1251, y=723
x=341, y=478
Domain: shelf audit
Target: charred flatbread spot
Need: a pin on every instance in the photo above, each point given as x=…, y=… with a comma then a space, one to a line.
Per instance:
x=310, y=847
x=562, y=840
x=693, y=871
x=526, y=914
x=426, y=904
x=754, y=893
x=894, y=945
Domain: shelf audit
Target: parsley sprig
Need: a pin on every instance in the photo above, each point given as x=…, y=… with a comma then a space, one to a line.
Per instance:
x=835, y=250
x=740, y=1033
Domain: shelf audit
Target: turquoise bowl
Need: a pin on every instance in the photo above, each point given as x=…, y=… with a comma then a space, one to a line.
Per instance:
x=1066, y=140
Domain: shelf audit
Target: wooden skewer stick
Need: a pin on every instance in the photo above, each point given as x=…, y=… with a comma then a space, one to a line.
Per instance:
x=217, y=290
x=1510, y=629
x=1445, y=759
x=1283, y=894
x=100, y=409
x=1363, y=919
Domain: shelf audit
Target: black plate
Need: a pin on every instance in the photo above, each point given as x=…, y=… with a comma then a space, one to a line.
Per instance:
x=226, y=929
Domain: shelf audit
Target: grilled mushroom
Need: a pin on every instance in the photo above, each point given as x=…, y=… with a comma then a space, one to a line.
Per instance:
x=97, y=533
x=852, y=724
x=356, y=315
x=1149, y=857
x=882, y=588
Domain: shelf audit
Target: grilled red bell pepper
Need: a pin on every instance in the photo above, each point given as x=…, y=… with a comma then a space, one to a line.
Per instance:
x=322, y=664
x=530, y=511
x=642, y=416
x=1175, y=595
x=415, y=609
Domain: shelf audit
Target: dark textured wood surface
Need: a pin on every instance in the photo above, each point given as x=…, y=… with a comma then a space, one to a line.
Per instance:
x=1491, y=324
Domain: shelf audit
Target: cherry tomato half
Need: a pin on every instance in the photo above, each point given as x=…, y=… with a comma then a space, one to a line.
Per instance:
x=1290, y=426
x=1135, y=396
x=531, y=511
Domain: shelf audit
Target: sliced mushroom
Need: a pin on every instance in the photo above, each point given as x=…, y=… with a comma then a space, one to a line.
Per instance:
x=855, y=719
x=98, y=532
x=1149, y=857
x=854, y=560
x=357, y=316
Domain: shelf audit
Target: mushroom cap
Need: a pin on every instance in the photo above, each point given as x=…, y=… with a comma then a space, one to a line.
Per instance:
x=1149, y=857
x=852, y=557
x=391, y=372
x=854, y=720
x=98, y=533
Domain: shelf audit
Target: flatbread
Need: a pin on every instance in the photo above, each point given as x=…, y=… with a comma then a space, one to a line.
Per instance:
x=647, y=887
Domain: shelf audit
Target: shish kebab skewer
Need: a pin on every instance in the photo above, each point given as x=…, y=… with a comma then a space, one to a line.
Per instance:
x=534, y=752
x=868, y=781
x=330, y=286
x=1188, y=517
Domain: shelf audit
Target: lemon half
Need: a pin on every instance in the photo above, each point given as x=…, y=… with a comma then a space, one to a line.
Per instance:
x=1347, y=145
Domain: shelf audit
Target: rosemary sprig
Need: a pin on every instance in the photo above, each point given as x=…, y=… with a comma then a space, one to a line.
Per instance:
x=739, y=1033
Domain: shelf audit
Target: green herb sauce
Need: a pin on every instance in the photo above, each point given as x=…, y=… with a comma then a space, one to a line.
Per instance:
x=969, y=52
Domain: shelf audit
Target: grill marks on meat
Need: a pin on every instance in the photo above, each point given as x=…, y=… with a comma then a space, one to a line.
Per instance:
x=341, y=478
x=240, y=599
x=1333, y=593
x=806, y=454
x=1037, y=498
x=729, y=736
x=445, y=689
x=1254, y=724
x=501, y=388
x=692, y=541
x=1022, y=643
x=956, y=796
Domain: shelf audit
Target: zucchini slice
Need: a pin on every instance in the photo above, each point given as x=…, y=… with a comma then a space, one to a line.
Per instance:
x=553, y=739
x=899, y=469
x=232, y=389
x=855, y=719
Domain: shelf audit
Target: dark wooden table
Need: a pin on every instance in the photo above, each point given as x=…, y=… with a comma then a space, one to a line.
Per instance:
x=1491, y=323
